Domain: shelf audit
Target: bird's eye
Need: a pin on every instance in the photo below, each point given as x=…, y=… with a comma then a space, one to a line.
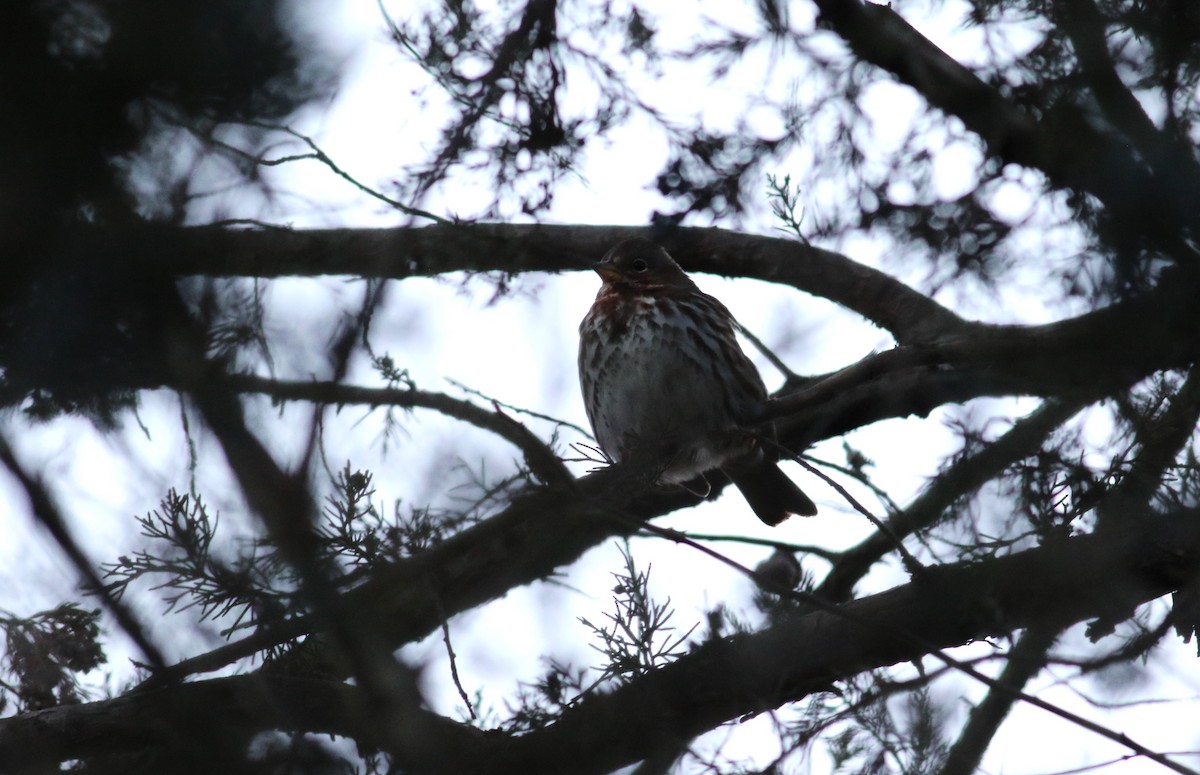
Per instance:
x=638, y=265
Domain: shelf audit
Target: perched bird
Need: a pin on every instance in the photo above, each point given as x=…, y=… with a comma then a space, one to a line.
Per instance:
x=663, y=375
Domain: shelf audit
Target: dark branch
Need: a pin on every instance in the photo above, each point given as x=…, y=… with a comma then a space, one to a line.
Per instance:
x=1160, y=442
x=1065, y=146
x=515, y=248
x=1086, y=356
x=1048, y=587
x=1025, y=660
x=540, y=458
x=961, y=478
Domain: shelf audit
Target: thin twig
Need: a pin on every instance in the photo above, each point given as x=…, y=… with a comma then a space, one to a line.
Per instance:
x=768, y=353
x=911, y=563
x=454, y=661
x=965, y=475
x=818, y=551
x=519, y=410
x=859, y=477
x=318, y=155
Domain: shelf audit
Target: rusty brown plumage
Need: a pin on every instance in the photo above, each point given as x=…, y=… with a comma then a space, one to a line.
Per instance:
x=663, y=376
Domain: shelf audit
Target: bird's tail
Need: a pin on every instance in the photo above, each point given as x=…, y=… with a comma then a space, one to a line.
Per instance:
x=771, y=494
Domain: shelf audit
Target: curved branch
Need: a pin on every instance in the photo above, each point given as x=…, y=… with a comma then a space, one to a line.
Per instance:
x=540, y=531
x=1174, y=163
x=951, y=359
x=46, y=512
x=1160, y=442
x=911, y=317
x=541, y=459
x=226, y=712
x=404, y=252
x=1083, y=24
x=238, y=707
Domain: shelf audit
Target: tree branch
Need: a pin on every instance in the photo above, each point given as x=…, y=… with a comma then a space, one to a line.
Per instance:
x=405, y=252
x=1083, y=24
x=232, y=710
x=1160, y=442
x=1089, y=355
x=538, y=532
x=284, y=505
x=1064, y=145
x=1025, y=660
x=962, y=477
x=541, y=459
x=1051, y=586
x=47, y=513
x=942, y=358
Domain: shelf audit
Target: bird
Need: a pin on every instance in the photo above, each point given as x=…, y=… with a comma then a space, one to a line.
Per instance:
x=664, y=379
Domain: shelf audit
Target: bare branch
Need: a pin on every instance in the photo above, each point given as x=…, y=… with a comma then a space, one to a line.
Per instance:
x=1087, y=356
x=540, y=458
x=514, y=248
x=1160, y=442
x=1083, y=24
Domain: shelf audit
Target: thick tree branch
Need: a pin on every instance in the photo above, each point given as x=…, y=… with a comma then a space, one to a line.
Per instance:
x=1083, y=24
x=516, y=248
x=910, y=316
x=1160, y=441
x=1048, y=587
x=1053, y=585
x=232, y=710
x=944, y=359
x=537, y=533
x=1090, y=355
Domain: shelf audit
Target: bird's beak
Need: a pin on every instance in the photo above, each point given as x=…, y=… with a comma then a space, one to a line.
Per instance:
x=608, y=273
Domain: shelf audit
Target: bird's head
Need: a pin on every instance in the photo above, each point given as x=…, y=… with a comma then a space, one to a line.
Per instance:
x=641, y=264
